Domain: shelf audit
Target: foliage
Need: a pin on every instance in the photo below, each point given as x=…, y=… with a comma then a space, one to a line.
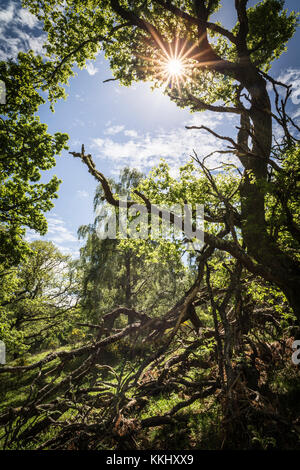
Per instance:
x=27, y=149
x=207, y=339
x=38, y=300
x=76, y=32
x=116, y=272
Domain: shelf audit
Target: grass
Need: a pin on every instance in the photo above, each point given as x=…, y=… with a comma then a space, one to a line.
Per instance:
x=201, y=424
x=14, y=388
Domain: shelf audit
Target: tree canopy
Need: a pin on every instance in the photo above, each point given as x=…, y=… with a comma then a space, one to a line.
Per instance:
x=221, y=65
x=26, y=150
x=203, y=357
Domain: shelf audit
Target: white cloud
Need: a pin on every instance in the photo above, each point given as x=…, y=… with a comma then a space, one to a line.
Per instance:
x=7, y=15
x=91, y=69
x=82, y=194
x=131, y=133
x=79, y=97
x=14, y=14
x=296, y=114
x=10, y=48
x=112, y=130
x=27, y=19
x=59, y=234
x=13, y=20
x=27, y=42
x=68, y=251
x=77, y=122
x=292, y=77
x=143, y=151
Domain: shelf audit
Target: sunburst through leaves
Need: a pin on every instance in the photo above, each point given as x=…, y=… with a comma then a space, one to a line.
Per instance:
x=174, y=66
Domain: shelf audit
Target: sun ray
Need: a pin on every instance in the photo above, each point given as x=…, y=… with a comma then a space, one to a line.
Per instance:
x=173, y=67
x=159, y=42
x=193, y=46
x=176, y=46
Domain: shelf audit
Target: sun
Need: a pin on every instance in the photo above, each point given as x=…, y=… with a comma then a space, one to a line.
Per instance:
x=171, y=65
x=175, y=67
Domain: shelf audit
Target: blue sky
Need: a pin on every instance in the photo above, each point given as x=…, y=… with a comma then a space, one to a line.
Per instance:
x=119, y=126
